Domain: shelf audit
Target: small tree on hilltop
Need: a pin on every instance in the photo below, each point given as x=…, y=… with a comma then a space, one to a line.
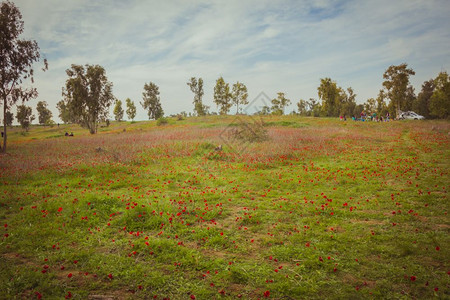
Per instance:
x=196, y=87
x=16, y=60
x=151, y=101
x=131, y=109
x=24, y=116
x=239, y=95
x=118, y=111
x=88, y=95
x=44, y=114
x=279, y=103
x=222, y=96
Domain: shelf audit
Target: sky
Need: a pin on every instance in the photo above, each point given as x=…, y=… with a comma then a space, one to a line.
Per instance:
x=270, y=46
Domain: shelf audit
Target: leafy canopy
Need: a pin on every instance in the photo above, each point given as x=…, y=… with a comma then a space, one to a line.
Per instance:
x=88, y=95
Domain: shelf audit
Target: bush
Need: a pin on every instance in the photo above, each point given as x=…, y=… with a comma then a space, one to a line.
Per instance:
x=251, y=131
x=162, y=121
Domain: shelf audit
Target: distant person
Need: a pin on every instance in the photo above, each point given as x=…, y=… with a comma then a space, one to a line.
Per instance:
x=66, y=134
x=387, y=117
x=71, y=134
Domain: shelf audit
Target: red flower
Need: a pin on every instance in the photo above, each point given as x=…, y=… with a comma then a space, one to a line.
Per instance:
x=192, y=296
x=413, y=278
x=60, y=209
x=267, y=294
x=110, y=276
x=69, y=275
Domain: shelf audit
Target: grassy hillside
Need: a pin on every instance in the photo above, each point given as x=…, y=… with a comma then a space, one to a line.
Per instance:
x=321, y=209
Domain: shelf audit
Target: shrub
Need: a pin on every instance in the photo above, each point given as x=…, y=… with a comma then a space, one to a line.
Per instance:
x=162, y=121
x=251, y=131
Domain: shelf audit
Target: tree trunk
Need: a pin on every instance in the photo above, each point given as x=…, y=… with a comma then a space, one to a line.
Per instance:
x=4, y=127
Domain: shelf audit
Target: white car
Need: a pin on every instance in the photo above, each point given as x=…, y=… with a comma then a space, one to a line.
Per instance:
x=410, y=115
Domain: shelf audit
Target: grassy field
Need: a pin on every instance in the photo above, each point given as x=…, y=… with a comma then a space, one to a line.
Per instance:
x=322, y=209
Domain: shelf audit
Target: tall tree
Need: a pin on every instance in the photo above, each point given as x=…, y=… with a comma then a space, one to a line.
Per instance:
x=151, y=101
x=118, y=111
x=24, y=116
x=196, y=87
x=370, y=106
x=279, y=103
x=302, y=106
x=239, y=95
x=422, y=102
x=347, y=102
x=44, y=114
x=88, y=95
x=440, y=100
x=17, y=57
x=64, y=113
x=222, y=96
x=314, y=107
x=396, y=83
x=381, y=103
x=330, y=94
x=131, y=109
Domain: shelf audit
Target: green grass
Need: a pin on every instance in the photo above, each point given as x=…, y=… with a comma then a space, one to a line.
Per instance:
x=323, y=209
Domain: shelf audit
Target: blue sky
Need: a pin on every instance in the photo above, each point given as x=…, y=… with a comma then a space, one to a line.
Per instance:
x=271, y=46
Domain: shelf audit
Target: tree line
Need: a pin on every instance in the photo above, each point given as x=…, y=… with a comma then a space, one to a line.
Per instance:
x=87, y=94
x=397, y=95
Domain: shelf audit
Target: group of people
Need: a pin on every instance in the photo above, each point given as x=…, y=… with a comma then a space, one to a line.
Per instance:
x=364, y=117
x=67, y=134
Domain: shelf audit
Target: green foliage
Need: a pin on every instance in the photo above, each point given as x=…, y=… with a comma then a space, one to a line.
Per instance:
x=440, y=100
x=162, y=121
x=118, y=111
x=9, y=118
x=222, y=96
x=196, y=87
x=398, y=89
x=239, y=95
x=87, y=95
x=24, y=116
x=422, y=103
x=64, y=113
x=151, y=101
x=16, y=61
x=335, y=100
x=131, y=109
x=279, y=103
x=44, y=114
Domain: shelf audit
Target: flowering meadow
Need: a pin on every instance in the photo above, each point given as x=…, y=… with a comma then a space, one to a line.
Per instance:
x=322, y=209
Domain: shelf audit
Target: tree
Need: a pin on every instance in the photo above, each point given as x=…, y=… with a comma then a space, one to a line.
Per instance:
x=24, y=116
x=422, y=103
x=329, y=93
x=197, y=88
x=16, y=61
x=44, y=114
x=440, y=100
x=118, y=111
x=347, y=102
x=370, y=106
x=87, y=95
x=131, y=109
x=381, y=103
x=302, y=107
x=222, y=96
x=151, y=101
x=239, y=95
x=64, y=113
x=279, y=103
x=9, y=118
x=314, y=107
x=396, y=83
